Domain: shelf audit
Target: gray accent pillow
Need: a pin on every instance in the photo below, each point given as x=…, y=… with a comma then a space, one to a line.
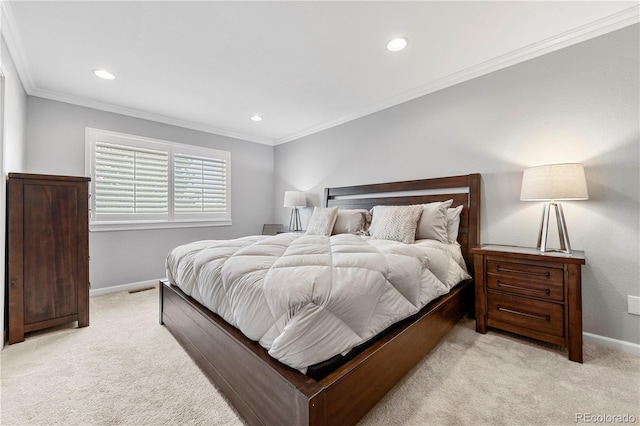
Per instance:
x=322, y=221
x=433, y=222
x=397, y=223
x=351, y=221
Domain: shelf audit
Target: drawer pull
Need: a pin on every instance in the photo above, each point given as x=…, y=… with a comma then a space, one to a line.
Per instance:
x=540, y=317
x=544, y=274
x=533, y=290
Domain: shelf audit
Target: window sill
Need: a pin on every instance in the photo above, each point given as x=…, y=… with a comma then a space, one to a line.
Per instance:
x=138, y=226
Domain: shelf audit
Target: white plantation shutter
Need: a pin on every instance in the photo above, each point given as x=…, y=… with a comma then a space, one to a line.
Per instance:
x=130, y=180
x=139, y=180
x=200, y=184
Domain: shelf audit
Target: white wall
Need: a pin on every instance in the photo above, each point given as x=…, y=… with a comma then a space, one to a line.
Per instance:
x=56, y=145
x=579, y=104
x=13, y=118
x=15, y=115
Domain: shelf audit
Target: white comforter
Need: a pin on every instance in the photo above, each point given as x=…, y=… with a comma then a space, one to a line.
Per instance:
x=307, y=298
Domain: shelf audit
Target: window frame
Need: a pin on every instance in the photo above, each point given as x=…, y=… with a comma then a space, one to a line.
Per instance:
x=145, y=221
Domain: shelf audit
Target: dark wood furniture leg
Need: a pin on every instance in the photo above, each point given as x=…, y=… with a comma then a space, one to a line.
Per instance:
x=574, y=317
x=481, y=296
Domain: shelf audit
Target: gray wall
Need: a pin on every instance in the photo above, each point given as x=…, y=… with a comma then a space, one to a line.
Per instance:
x=13, y=119
x=579, y=104
x=56, y=145
x=15, y=115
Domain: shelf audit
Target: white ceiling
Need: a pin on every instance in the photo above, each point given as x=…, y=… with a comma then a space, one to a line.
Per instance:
x=303, y=66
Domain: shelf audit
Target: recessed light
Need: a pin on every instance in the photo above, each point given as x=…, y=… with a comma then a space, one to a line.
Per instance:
x=104, y=74
x=256, y=117
x=397, y=44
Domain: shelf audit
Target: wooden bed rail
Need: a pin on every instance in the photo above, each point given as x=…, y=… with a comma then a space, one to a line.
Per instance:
x=267, y=392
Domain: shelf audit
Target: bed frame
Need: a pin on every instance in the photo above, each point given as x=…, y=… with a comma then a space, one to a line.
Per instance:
x=267, y=392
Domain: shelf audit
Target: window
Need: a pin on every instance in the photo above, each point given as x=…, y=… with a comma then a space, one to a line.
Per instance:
x=141, y=183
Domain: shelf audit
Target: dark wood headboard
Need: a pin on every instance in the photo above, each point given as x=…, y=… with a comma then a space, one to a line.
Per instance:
x=466, y=193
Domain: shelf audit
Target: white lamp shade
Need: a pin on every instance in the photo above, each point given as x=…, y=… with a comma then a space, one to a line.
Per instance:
x=295, y=199
x=554, y=182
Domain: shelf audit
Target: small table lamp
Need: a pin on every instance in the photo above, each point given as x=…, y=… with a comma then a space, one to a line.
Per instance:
x=295, y=199
x=551, y=183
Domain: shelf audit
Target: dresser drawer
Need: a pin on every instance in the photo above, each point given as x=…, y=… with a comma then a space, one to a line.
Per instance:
x=523, y=270
x=548, y=290
x=544, y=317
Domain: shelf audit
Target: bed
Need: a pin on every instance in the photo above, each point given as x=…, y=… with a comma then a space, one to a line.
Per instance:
x=265, y=391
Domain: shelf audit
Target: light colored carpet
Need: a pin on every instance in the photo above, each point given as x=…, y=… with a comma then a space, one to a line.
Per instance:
x=126, y=369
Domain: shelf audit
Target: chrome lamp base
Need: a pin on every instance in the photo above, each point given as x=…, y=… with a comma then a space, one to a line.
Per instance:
x=563, y=234
x=295, y=225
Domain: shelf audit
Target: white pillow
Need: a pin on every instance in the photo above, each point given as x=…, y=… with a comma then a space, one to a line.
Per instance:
x=453, y=223
x=322, y=221
x=351, y=221
x=397, y=223
x=433, y=222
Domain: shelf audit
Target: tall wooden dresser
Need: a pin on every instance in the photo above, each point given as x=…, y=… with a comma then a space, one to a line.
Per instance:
x=47, y=252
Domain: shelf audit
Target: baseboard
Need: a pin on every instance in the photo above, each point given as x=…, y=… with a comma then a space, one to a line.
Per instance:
x=620, y=345
x=123, y=287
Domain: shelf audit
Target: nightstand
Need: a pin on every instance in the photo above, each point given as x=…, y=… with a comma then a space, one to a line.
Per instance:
x=534, y=294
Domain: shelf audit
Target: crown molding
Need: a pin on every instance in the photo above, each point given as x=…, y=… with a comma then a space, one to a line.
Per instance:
x=585, y=32
x=132, y=112
x=602, y=26
x=15, y=45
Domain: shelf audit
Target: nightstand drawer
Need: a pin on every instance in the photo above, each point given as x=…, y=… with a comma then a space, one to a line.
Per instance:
x=526, y=313
x=526, y=287
x=523, y=270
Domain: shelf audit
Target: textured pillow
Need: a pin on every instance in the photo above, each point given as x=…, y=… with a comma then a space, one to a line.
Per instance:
x=322, y=221
x=351, y=221
x=433, y=222
x=397, y=223
x=453, y=223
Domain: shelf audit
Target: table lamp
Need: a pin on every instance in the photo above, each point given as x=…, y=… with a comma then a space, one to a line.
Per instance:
x=552, y=183
x=295, y=199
